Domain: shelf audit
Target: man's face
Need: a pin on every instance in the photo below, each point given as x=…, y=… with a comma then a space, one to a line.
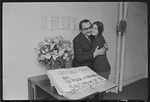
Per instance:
x=86, y=28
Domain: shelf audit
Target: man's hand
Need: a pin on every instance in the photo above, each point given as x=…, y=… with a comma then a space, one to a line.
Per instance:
x=99, y=52
x=106, y=46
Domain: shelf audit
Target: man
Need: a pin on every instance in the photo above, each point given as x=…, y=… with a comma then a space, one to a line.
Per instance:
x=82, y=43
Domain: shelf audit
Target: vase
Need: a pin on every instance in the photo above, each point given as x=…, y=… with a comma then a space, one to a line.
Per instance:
x=68, y=64
x=56, y=66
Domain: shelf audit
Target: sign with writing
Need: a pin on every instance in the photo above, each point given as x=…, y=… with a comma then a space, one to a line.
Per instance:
x=73, y=79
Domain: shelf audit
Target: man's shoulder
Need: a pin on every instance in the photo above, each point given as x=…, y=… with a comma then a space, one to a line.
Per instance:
x=77, y=37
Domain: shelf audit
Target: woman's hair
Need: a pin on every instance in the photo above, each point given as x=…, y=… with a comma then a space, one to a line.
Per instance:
x=83, y=21
x=100, y=26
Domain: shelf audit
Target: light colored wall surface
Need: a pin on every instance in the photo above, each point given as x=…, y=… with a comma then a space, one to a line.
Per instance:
x=22, y=32
x=136, y=51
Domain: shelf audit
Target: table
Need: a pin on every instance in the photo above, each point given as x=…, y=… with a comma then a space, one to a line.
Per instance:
x=39, y=88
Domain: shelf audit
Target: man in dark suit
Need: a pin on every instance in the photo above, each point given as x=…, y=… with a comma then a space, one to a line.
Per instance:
x=82, y=44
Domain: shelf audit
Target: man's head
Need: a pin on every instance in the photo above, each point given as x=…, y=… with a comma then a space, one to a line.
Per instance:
x=85, y=27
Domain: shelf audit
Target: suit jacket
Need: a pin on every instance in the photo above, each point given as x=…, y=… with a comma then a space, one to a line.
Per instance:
x=81, y=44
x=100, y=63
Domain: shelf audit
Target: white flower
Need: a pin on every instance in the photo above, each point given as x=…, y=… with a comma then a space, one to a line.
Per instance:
x=42, y=57
x=55, y=52
x=43, y=51
x=48, y=56
x=52, y=46
x=61, y=52
x=69, y=49
x=39, y=52
x=72, y=56
x=67, y=59
x=56, y=40
x=48, y=39
x=65, y=54
x=64, y=57
x=46, y=50
x=64, y=44
x=45, y=43
x=54, y=57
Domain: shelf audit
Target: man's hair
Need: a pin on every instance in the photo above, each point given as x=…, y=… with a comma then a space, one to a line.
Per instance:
x=100, y=26
x=83, y=21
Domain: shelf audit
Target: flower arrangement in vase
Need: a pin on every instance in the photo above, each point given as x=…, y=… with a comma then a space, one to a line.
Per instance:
x=55, y=52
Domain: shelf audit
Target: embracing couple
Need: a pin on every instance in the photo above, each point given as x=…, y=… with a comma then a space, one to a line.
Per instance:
x=90, y=49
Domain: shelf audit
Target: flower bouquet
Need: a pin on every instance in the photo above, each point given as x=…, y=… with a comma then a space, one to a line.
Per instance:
x=55, y=52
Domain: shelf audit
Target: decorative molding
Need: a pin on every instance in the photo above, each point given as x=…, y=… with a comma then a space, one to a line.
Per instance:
x=146, y=71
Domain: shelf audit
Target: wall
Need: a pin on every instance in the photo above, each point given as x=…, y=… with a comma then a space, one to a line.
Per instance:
x=136, y=51
x=22, y=32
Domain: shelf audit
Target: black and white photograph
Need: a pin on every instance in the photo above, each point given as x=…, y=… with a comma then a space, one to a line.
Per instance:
x=75, y=51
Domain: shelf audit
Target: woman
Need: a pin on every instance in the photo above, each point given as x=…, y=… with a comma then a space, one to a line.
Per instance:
x=100, y=64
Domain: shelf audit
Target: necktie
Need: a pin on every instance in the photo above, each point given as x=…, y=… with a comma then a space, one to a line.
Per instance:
x=89, y=38
x=92, y=38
